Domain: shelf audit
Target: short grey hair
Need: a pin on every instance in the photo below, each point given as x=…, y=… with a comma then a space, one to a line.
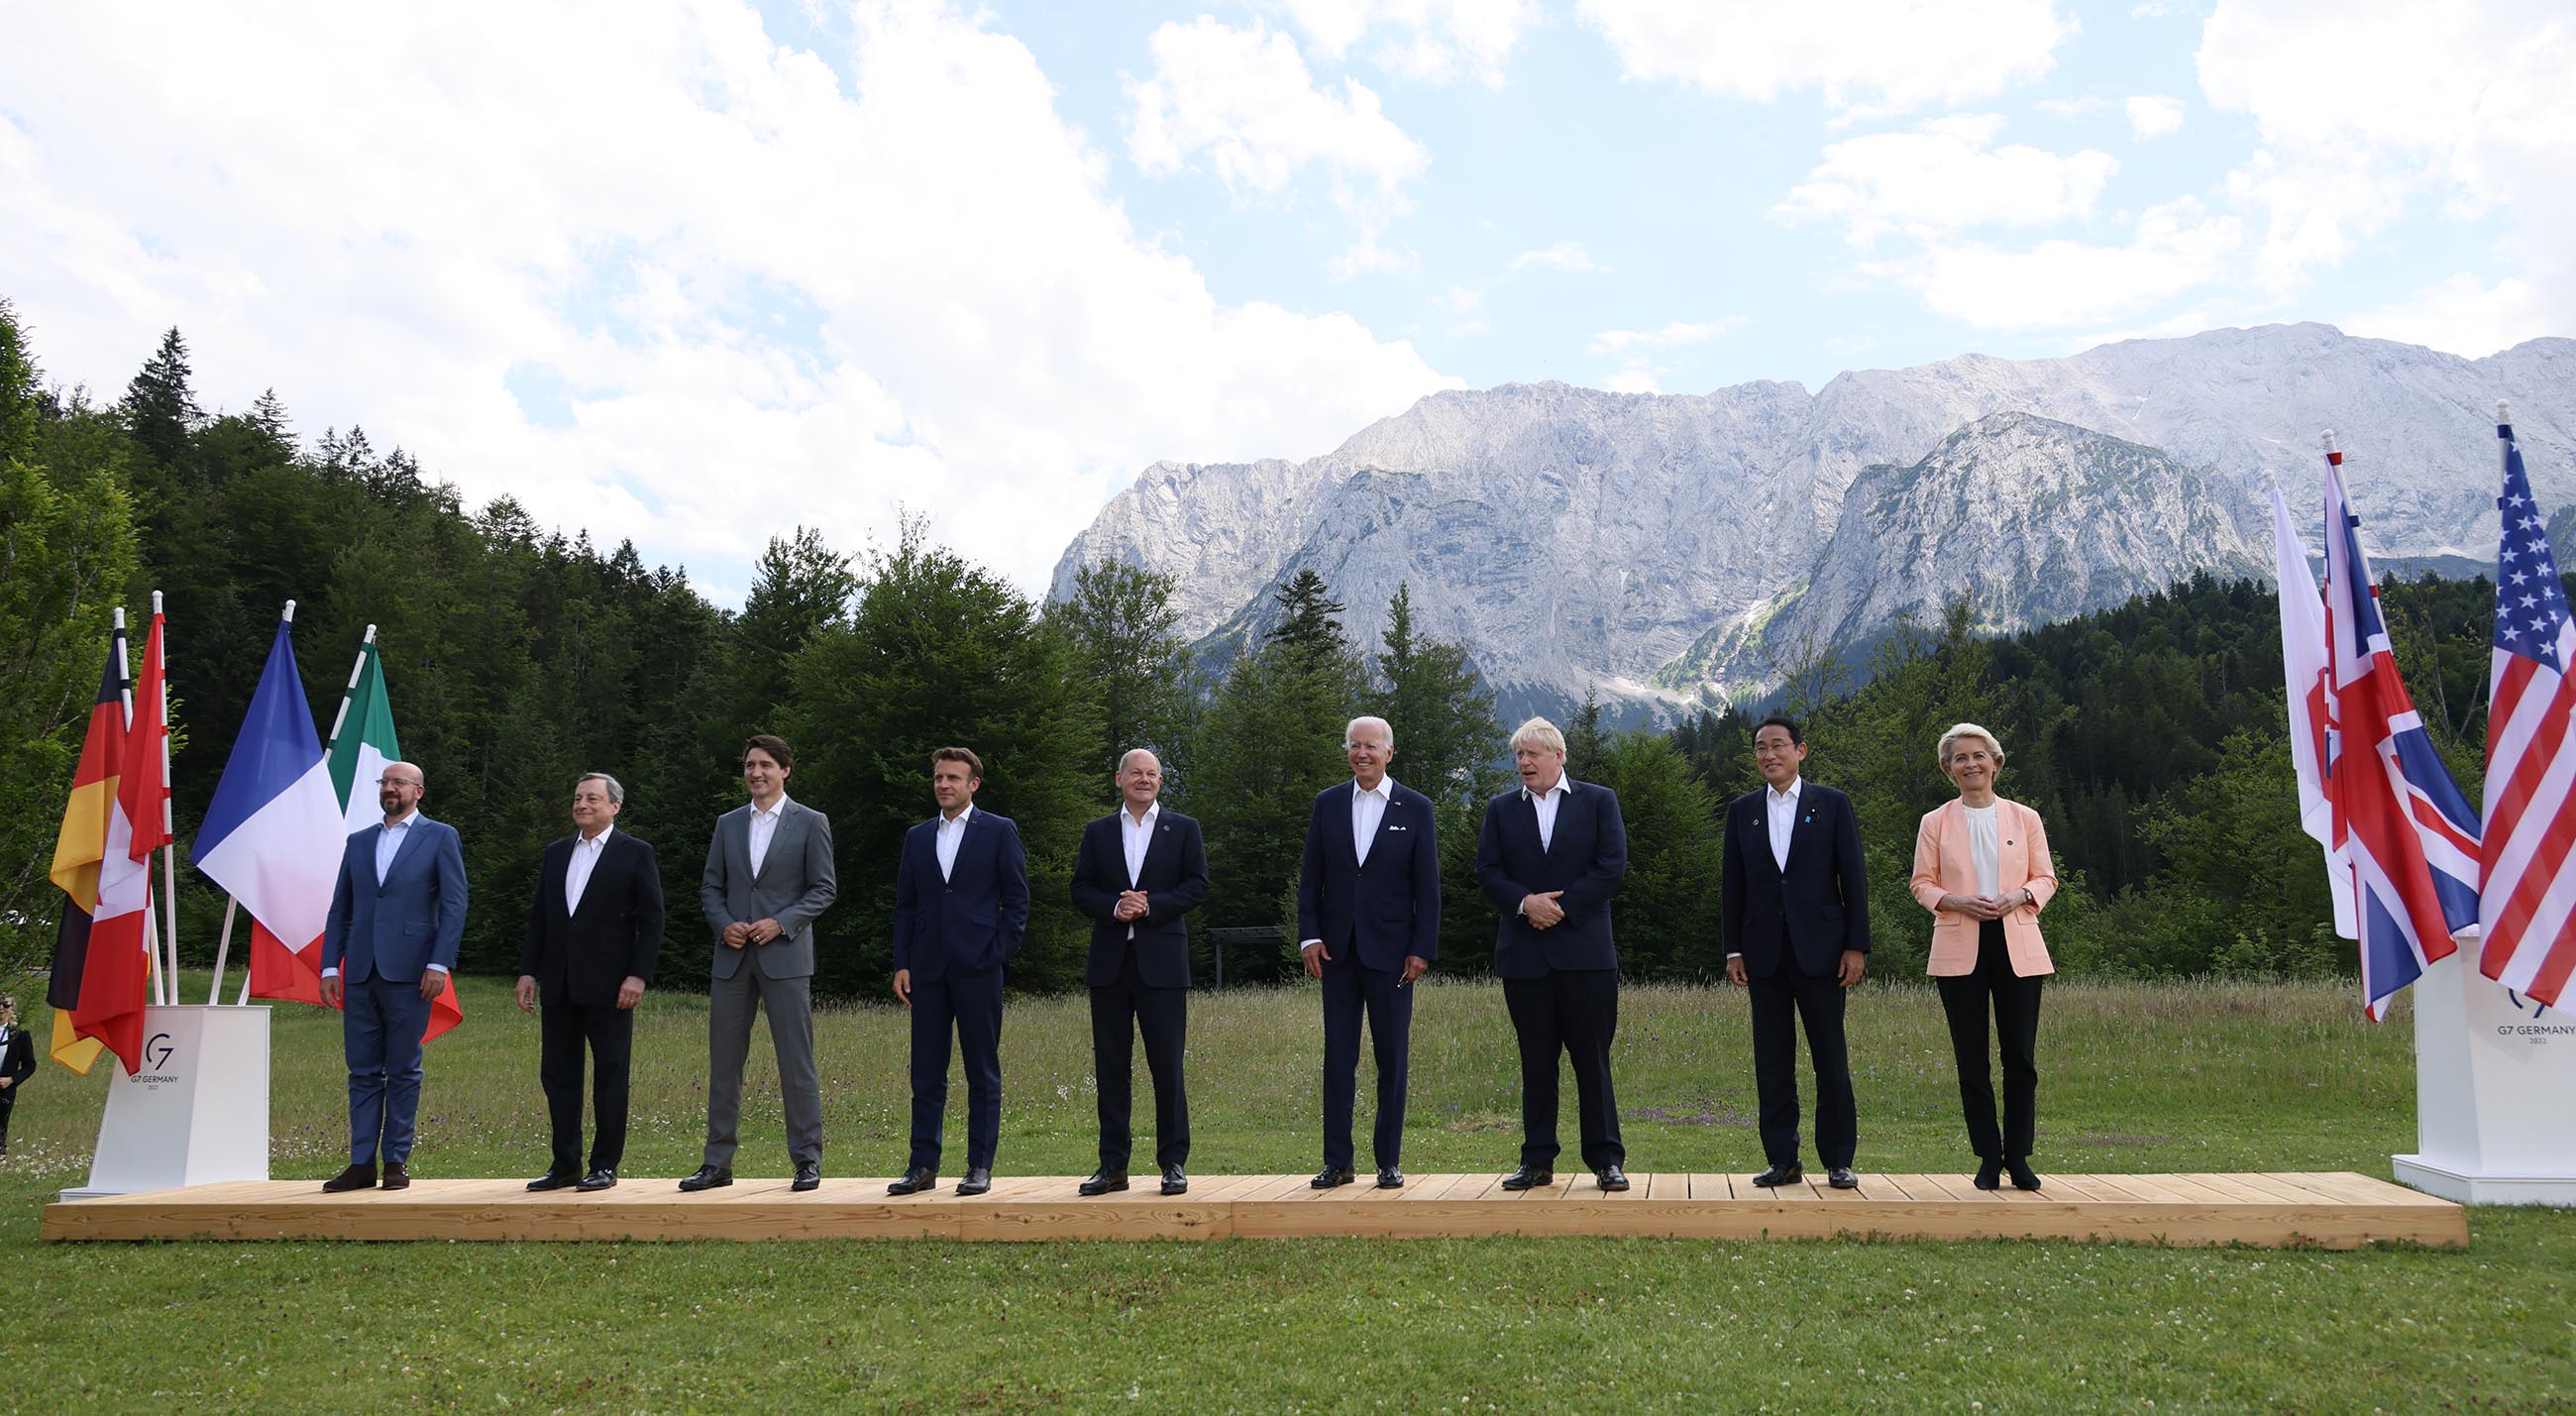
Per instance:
x=616, y=793
x=1539, y=733
x=1130, y=755
x=1968, y=730
x=1350, y=731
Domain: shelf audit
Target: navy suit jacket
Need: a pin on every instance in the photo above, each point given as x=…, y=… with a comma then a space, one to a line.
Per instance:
x=1821, y=901
x=971, y=922
x=1384, y=909
x=1586, y=857
x=415, y=918
x=584, y=956
x=1175, y=882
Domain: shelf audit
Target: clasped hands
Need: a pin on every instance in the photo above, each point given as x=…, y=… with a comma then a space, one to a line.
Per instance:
x=1542, y=910
x=1133, y=905
x=1988, y=906
x=758, y=931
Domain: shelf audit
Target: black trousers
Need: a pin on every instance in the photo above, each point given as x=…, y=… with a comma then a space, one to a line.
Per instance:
x=972, y=1005
x=1576, y=1012
x=1352, y=989
x=1781, y=1002
x=563, y=1030
x=8, y=1103
x=2016, y=1004
x=1118, y=1012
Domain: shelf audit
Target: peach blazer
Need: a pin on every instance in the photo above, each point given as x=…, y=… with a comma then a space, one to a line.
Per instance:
x=1943, y=866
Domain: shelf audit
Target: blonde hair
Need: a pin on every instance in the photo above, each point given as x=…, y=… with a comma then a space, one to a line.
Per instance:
x=1968, y=730
x=1538, y=733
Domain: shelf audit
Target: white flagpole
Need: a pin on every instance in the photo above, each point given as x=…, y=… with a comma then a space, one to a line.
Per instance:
x=223, y=952
x=125, y=679
x=169, y=828
x=340, y=719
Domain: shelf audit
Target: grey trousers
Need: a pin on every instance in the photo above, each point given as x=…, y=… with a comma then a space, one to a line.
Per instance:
x=731, y=1002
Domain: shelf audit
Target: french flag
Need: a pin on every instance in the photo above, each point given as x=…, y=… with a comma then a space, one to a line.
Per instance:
x=273, y=835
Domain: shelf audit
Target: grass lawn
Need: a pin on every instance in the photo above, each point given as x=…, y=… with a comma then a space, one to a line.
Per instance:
x=2133, y=1078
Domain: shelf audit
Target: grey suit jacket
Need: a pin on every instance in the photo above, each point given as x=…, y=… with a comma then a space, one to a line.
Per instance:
x=795, y=883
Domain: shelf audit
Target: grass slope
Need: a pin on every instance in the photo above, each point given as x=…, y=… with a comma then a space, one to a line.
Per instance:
x=2133, y=1077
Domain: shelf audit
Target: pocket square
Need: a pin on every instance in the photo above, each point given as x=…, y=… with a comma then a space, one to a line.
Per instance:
x=1393, y=827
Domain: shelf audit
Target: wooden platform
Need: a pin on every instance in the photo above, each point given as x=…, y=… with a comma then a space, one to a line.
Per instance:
x=2339, y=1210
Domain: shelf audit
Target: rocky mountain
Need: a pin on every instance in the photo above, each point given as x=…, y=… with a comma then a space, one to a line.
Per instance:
x=1666, y=547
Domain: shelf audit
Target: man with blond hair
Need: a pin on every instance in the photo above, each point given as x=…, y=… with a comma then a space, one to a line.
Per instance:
x=1552, y=853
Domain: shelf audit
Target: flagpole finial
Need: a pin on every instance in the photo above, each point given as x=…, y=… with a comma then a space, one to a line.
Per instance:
x=369, y=637
x=120, y=617
x=156, y=604
x=289, y=616
x=2504, y=413
x=2328, y=438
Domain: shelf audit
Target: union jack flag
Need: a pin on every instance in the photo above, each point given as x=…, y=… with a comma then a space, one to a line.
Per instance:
x=2528, y=889
x=2401, y=824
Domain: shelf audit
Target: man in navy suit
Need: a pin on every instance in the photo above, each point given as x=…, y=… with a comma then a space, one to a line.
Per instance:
x=397, y=917
x=1368, y=924
x=1140, y=871
x=1796, y=920
x=961, y=903
x=594, y=932
x=1552, y=853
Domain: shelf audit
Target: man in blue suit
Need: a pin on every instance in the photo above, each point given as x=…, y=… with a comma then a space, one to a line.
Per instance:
x=1796, y=922
x=961, y=903
x=1552, y=853
x=1368, y=924
x=397, y=917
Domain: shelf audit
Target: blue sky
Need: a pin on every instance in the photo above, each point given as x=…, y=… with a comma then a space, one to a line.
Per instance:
x=697, y=271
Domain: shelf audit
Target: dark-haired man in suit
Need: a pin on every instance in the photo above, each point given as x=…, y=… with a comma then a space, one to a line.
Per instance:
x=961, y=906
x=594, y=933
x=1368, y=924
x=1551, y=855
x=1796, y=920
x=769, y=874
x=1139, y=873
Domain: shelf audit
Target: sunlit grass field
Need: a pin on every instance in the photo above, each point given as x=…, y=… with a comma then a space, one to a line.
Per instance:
x=2169, y=1077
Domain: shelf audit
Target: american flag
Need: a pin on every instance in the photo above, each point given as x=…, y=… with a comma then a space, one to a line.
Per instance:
x=2402, y=825
x=2527, y=891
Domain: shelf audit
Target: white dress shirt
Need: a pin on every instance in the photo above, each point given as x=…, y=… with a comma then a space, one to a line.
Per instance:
x=1984, y=849
x=389, y=839
x=952, y=831
x=1368, y=808
x=586, y=851
x=1546, y=803
x=764, y=829
x=1135, y=838
x=1782, y=808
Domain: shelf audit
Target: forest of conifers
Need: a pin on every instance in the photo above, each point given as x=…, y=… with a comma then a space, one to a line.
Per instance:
x=2150, y=736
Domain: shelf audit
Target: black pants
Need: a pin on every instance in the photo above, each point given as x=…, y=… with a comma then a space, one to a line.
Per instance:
x=1351, y=990
x=1576, y=1012
x=1118, y=1012
x=563, y=1030
x=8, y=1103
x=972, y=1005
x=2016, y=1005
x=1783, y=1001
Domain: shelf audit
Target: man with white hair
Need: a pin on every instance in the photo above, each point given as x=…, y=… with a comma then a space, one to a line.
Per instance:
x=1552, y=853
x=1368, y=924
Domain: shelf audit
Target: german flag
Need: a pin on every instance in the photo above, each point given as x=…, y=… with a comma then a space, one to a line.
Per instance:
x=78, y=849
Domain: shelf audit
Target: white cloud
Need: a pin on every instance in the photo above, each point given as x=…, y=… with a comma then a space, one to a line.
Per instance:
x=1564, y=255
x=770, y=293
x=1433, y=40
x=2176, y=248
x=1460, y=299
x=1243, y=101
x=1632, y=380
x=2462, y=315
x=1678, y=334
x=2082, y=107
x=2154, y=115
x=1866, y=57
x=1945, y=176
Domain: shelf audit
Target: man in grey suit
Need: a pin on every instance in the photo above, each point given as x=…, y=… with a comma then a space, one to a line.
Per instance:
x=769, y=873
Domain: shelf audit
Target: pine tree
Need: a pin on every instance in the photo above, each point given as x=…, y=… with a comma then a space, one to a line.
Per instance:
x=1119, y=622
x=1310, y=631
x=1442, y=713
x=160, y=408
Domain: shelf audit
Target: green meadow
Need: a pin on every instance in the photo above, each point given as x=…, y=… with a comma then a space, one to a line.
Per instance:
x=2134, y=1077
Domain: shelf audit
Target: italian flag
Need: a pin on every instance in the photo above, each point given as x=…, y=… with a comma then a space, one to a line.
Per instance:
x=362, y=742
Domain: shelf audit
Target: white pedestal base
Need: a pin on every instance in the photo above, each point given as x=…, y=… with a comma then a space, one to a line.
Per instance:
x=197, y=1111
x=2494, y=1074
x=2432, y=1179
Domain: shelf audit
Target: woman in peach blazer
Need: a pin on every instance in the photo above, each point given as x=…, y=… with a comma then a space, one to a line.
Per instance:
x=1981, y=867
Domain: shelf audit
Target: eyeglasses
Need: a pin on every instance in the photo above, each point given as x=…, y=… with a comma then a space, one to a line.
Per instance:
x=396, y=782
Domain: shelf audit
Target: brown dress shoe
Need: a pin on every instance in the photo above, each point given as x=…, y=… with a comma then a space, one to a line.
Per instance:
x=356, y=1177
x=396, y=1178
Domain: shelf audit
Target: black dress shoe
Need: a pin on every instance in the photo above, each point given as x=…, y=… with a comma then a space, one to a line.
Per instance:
x=1990, y=1174
x=809, y=1176
x=914, y=1181
x=979, y=1178
x=597, y=1181
x=1841, y=1178
x=1104, y=1181
x=356, y=1177
x=1332, y=1175
x=554, y=1180
x=1611, y=1177
x=1788, y=1173
x=1528, y=1177
x=1389, y=1178
x=1175, y=1181
x=708, y=1177
x=397, y=1177
x=2023, y=1177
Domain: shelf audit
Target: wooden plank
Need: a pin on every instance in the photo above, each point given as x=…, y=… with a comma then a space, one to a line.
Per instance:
x=1712, y=1187
x=1441, y=1187
x=2370, y=1189
x=1664, y=1185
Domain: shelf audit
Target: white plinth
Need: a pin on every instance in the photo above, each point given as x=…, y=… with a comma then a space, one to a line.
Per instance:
x=196, y=1113
x=2495, y=1092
